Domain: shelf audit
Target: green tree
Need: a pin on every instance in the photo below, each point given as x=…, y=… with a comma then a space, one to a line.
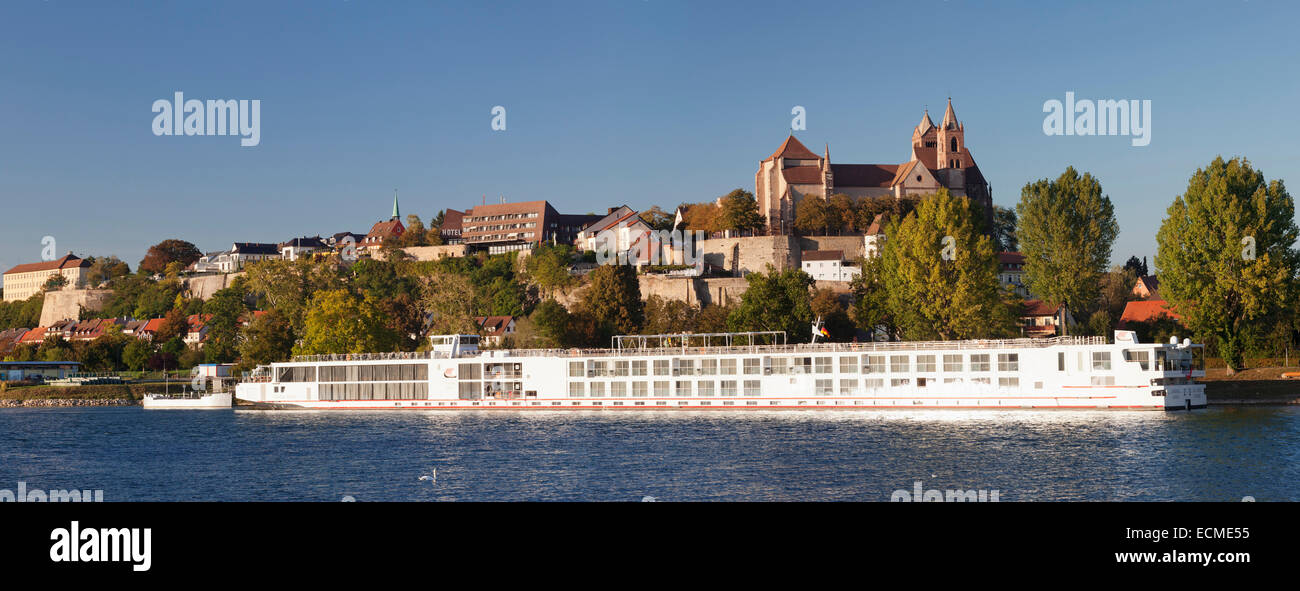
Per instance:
x=835, y=319
x=1004, y=229
x=739, y=212
x=1225, y=256
x=613, y=300
x=840, y=213
x=657, y=218
x=870, y=308
x=776, y=300
x=551, y=321
x=340, y=322
x=1066, y=230
x=449, y=299
x=548, y=267
x=941, y=274
x=665, y=316
x=136, y=354
x=811, y=215
x=55, y=283
x=268, y=338
x=227, y=310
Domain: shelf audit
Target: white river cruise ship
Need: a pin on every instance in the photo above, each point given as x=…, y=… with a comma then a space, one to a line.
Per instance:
x=733, y=371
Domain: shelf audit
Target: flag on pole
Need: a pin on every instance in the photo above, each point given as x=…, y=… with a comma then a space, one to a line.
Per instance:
x=824, y=332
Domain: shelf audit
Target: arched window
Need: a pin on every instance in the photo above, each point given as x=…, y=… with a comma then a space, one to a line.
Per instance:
x=953, y=143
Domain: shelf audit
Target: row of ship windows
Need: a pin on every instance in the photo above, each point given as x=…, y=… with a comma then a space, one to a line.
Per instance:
x=825, y=387
x=353, y=373
x=391, y=391
x=867, y=364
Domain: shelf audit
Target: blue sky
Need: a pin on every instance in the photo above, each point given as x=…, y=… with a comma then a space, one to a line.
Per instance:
x=621, y=101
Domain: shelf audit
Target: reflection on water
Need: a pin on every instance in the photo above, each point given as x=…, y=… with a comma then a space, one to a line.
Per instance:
x=1221, y=454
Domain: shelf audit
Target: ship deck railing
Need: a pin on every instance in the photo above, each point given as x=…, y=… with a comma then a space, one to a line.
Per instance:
x=891, y=346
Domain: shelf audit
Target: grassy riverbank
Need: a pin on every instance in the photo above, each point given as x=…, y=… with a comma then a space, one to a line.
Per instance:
x=1260, y=385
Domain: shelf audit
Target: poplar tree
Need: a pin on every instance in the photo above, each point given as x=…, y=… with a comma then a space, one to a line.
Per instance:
x=1224, y=255
x=1066, y=229
x=941, y=274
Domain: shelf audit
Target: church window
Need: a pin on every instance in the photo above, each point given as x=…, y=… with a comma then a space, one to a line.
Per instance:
x=953, y=143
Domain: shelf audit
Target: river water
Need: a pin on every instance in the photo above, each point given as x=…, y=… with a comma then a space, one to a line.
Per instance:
x=1218, y=454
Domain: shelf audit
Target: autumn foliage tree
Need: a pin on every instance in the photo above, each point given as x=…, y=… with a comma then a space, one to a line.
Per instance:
x=169, y=251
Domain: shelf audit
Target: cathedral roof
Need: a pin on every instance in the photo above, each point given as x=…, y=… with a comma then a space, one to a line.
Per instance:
x=791, y=148
x=863, y=175
x=926, y=123
x=803, y=175
x=903, y=170
x=949, y=117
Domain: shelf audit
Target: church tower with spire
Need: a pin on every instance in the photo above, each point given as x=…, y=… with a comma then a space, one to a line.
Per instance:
x=951, y=141
x=397, y=214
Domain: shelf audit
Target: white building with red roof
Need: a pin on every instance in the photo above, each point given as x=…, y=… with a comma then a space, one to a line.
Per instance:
x=25, y=281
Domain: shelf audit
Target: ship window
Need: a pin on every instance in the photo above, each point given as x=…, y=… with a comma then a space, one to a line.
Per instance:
x=753, y=387
x=600, y=368
x=1008, y=382
x=952, y=363
x=662, y=367
x=873, y=364
x=1103, y=380
x=1060, y=361
x=825, y=387
x=683, y=388
x=925, y=363
x=661, y=388
x=618, y=389
x=727, y=367
x=898, y=364
x=708, y=367
x=848, y=386
x=638, y=368
x=620, y=369
x=780, y=365
x=1101, y=360
x=686, y=367
x=751, y=366
x=728, y=388
x=979, y=362
x=705, y=388
x=1008, y=362
x=597, y=389
x=873, y=383
x=848, y=365
x=640, y=389
x=576, y=388
x=470, y=371
x=1142, y=358
x=897, y=382
x=824, y=365
x=577, y=369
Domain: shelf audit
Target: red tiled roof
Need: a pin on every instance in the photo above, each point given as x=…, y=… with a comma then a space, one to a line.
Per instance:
x=153, y=325
x=803, y=175
x=382, y=230
x=67, y=262
x=791, y=148
x=495, y=326
x=35, y=335
x=864, y=175
x=1142, y=311
x=877, y=225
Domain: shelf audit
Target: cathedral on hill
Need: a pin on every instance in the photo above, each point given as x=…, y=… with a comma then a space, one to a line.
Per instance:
x=939, y=159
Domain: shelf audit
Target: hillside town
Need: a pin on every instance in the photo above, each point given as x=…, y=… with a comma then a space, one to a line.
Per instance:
x=846, y=239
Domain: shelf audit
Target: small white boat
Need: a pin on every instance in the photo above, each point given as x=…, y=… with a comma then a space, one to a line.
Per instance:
x=189, y=401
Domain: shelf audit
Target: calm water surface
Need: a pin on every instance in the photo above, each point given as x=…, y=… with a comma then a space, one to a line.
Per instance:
x=1220, y=454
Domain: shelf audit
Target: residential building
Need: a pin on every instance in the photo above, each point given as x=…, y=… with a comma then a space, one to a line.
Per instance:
x=828, y=265
x=291, y=250
x=383, y=230
x=1147, y=288
x=506, y=227
x=9, y=340
x=495, y=328
x=214, y=262
x=1039, y=319
x=874, y=238
x=25, y=281
x=621, y=231
x=242, y=253
x=1011, y=273
x=198, y=330
x=939, y=159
